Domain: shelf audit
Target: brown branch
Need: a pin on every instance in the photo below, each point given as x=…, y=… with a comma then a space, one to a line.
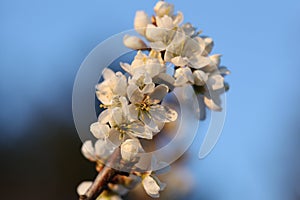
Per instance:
x=103, y=178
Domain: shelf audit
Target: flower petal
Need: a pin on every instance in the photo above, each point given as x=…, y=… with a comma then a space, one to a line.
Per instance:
x=138, y=129
x=216, y=82
x=134, y=42
x=129, y=149
x=83, y=187
x=105, y=116
x=211, y=104
x=159, y=92
x=180, y=61
x=178, y=19
x=200, y=77
x=171, y=115
x=104, y=93
x=88, y=151
x=117, y=116
x=134, y=94
x=151, y=187
x=141, y=21
x=108, y=74
x=100, y=131
x=104, y=148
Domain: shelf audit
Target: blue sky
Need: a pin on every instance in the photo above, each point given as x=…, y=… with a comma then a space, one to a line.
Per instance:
x=42, y=44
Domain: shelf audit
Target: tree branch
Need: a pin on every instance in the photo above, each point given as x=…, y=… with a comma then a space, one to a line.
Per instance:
x=103, y=178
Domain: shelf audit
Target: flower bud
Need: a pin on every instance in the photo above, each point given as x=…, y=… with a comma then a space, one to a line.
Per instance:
x=141, y=21
x=163, y=8
x=134, y=42
x=129, y=149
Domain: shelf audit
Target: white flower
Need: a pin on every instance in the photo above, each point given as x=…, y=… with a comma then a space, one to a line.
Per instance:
x=215, y=81
x=134, y=42
x=141, y=21
x=147, y=108
x=187, y=53
x=129, y=149
x=83, y=187
x=88, y=151
x=102, y=150
x=190, y=30
x=164, y=34
x=114, y=84
x=105, y=115
x=152, y=186
x=124, y=126
x=214, y=63
x=143, y=81
x=163, y=8
x=183, y=76
x=143, y=63
x=200, y=77
x=100, y=131
x=209, y=44
x=215, y=87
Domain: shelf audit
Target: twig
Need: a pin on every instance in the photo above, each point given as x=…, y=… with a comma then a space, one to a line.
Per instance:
x=102, y=179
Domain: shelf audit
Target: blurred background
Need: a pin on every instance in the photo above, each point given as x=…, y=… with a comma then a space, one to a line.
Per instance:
x=43, y=43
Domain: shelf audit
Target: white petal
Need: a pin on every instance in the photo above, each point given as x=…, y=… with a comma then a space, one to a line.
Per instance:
x=209, y=43
x=159, y=92
x=134, y=94
x=105, y=116
x=181, y=81
x=141, y=21
x=151, y=187
x=154, y=33
x=148, y=88
x=188, y=29
x=171, y=115
x=100, y=131
x=165, y=79
x=216, y=82
x=158, y=45
x=133, y=112
x=88, y=151
x=108, y=74
x=216, y=59
x=165, y=22
x=83, y=187
x=134, y=42
x=120, y=84
x=104, y=93
x=198, y=61
x=211, y=104
x=129, y=149
x=153, y=67
x=138, y=129
x=158, y=113
x=126, y=67
x=163, y=113
x=200, y=77
x=185, y=73
x=117, y=116
x=178, y=18
x=104, y=148
x=114, y=137
x=163, y=8
x=180, y=61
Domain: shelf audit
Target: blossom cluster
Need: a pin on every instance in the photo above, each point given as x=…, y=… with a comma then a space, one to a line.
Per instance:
x=132, y=101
